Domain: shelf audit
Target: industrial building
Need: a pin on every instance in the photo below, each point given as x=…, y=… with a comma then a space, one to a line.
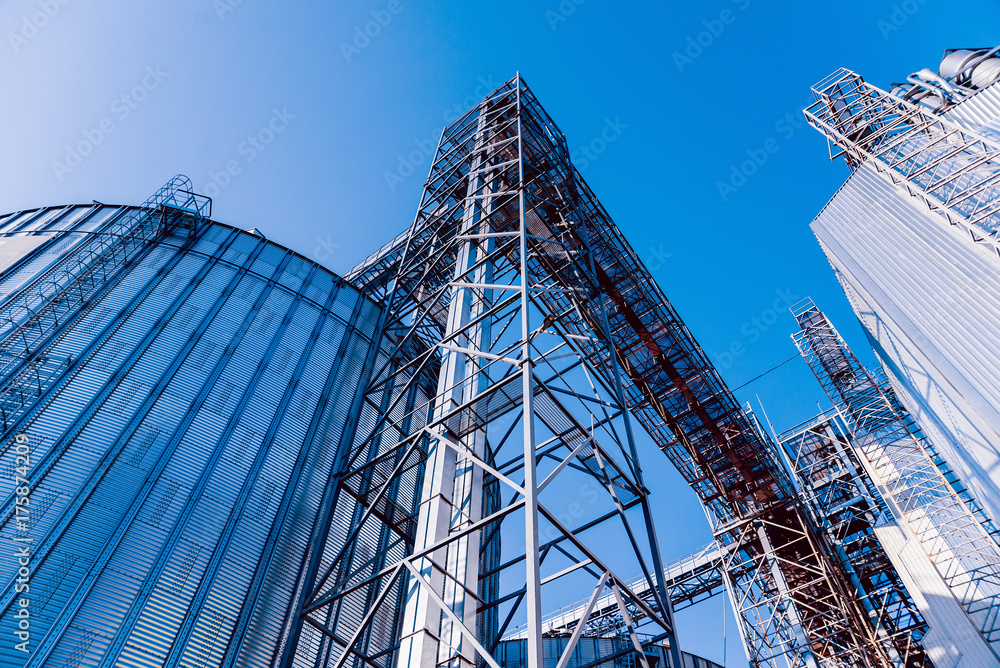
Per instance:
x=917, y=546
x=912, y=237
x=219, y=453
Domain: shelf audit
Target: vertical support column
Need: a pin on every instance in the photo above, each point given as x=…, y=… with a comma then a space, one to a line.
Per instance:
x=462, y=583
x=452, y=487
x=532, y=566
x=795, y=622
x=863, y=596
x=741, y=622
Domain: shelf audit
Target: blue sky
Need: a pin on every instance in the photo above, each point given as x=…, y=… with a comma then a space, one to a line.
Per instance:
x=300, y=124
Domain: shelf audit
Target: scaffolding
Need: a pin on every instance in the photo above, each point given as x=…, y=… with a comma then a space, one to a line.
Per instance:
x=947, y=524
x=952, y=170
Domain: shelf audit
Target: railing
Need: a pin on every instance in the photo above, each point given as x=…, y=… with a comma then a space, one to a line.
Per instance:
x=56, y=297
x=953, y=171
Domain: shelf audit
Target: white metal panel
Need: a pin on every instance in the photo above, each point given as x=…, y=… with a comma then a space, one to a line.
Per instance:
x=980, y=112
x=13, y=249
x=952, y=641
x=929, y=299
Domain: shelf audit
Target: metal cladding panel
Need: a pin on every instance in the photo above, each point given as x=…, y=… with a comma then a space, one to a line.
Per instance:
x=980, y=112
x=10, y=220
x=43, y=218
x=929, y=301
x=14, y=249
x=181, y=453
x=56, y=219
x=950, y=640
x=42, y=259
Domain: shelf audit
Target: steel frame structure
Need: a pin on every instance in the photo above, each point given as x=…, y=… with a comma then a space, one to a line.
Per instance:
x=496, y=287
x=515, y=289
x=693, y=578
x=844, y=504
x=520, y=345
x=847, y=506
x=947, y=524
x=952, y=170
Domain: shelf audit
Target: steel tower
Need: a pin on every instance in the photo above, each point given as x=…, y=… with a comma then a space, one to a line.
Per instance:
x=549, y=343
x=509, y=345
x=847, y=507
x=912, y=236
x=948, y=523
x=496, y=289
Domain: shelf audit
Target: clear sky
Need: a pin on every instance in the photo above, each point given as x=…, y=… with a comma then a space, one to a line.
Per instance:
x=299, y=123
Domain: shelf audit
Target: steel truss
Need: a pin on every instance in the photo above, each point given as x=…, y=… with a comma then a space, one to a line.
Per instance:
x=846, y=505
x=490, y=285
x=898, y=456
x=547, y=336
x=952, y=170
x=693, y=578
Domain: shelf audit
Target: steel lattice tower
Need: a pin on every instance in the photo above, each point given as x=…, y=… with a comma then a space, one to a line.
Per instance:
x=494, y=290
x=946, y=521
x=528, y=342
x=848, y=509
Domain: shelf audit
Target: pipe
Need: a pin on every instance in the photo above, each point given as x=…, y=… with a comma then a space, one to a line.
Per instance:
x=931, y=76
